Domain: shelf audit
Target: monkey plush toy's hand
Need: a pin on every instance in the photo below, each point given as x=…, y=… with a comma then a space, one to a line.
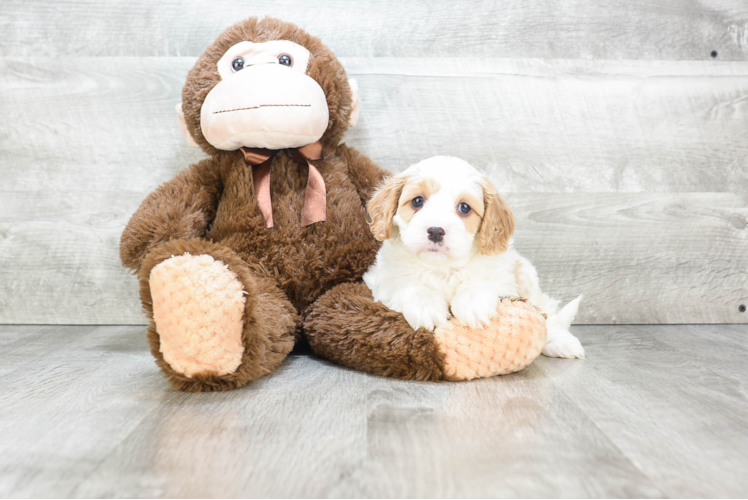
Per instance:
x=181, y=208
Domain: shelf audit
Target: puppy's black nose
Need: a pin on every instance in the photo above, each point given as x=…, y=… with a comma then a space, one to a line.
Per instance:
x=436, y=234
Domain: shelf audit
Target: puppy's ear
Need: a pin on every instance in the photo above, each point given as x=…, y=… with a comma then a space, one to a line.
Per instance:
x=383, y=205
x=497, y=225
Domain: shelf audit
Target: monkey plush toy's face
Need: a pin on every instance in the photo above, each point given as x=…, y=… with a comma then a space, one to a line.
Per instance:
x=264, y=99
x=266, y=84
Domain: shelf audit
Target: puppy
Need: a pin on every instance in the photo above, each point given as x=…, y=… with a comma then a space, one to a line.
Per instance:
x=448, y=248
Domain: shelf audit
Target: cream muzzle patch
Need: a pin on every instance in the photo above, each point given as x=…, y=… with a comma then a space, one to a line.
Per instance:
x=265, y=99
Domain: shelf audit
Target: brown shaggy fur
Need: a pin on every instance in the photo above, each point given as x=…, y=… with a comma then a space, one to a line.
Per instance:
x=179, y=209
x=269, y=319
x=346, y=325
x=211, y=208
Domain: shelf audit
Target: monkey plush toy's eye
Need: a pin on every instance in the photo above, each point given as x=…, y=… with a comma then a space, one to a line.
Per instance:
x=417, y=202
x=285, y=60
x=464, y=208
x=237, y=64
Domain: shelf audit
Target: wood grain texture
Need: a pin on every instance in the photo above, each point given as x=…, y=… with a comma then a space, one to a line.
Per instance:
x=640, y=258
x=683, y=384
x=637, y=257
x=654, y=411
x=584, y=29
x=555, y=126
x=562, y=126
x=85, y=139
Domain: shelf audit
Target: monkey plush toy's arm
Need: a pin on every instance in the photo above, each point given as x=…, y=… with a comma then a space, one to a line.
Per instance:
x=180, y=208
x=363, y=172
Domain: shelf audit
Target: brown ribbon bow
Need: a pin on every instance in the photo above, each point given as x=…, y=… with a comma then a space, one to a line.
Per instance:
x=315, y=199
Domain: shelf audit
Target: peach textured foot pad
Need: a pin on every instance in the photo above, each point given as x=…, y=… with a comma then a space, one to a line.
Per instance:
x=510, y=343
x=198, y=305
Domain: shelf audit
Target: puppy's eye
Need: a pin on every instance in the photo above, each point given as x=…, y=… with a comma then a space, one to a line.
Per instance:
x=237, y=64
x=285, y=60
x=417, y=202
x=464, y=208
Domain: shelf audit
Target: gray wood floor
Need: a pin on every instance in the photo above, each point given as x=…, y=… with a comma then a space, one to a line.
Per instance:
x=654, y=411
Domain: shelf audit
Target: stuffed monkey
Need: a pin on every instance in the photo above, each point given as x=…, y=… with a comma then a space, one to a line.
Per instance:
x=264, y=242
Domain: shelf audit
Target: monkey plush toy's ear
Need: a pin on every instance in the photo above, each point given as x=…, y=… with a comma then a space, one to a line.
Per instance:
x=183, y=127
x=353, y=119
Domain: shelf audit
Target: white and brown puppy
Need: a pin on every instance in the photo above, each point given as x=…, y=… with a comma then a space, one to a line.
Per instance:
x=447, y=247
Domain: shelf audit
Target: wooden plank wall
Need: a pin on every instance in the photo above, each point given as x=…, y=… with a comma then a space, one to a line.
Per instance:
x=618, y=131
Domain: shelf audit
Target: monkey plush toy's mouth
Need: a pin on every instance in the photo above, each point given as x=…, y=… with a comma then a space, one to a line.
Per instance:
x=289, y=110
x=263, y=106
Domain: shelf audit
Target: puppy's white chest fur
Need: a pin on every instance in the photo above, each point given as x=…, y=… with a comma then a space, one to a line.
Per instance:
x=397, y=268
x=443, y=281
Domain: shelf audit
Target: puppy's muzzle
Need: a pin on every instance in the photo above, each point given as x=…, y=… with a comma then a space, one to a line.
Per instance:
x=436, y=234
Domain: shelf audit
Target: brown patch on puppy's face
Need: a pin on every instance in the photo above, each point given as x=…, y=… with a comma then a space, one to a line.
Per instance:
x=473, y=219
x=413, y=189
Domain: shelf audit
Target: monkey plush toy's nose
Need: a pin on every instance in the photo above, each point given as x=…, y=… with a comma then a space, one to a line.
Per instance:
x=436, y=234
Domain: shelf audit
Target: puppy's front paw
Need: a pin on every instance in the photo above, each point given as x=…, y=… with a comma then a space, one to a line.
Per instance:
x=562, y=344
x=426, y=311
x=474, y=308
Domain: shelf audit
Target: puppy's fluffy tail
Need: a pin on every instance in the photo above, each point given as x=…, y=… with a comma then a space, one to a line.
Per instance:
x=562, y=319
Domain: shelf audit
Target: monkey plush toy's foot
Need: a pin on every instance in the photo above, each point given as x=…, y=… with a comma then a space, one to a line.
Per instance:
x=198, y=305
x=346, y=326
x=214, y=325
x=513, y=339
